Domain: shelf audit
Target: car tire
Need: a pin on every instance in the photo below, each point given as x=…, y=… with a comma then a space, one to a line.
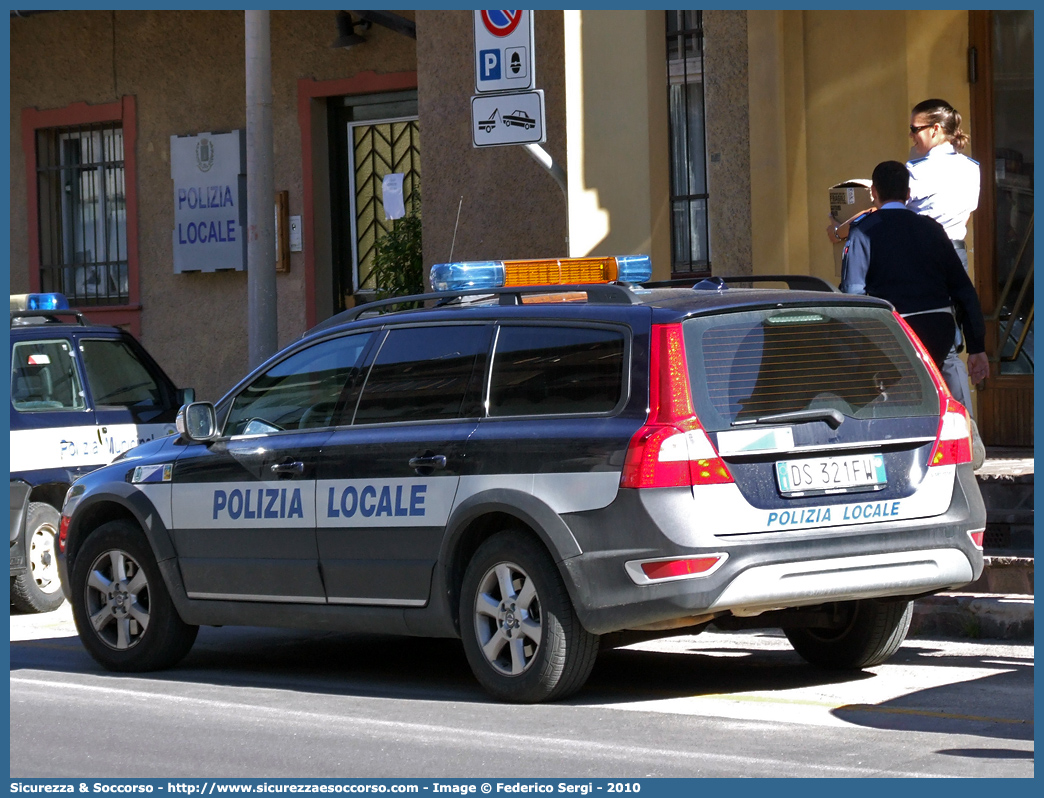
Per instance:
x=39, y=588
x=870, y=633
x=521, y=634
x=123, y=612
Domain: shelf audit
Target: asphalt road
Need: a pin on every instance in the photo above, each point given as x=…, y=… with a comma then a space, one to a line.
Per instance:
x=278, y=703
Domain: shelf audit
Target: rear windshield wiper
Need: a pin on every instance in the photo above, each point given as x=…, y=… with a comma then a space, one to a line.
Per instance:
x=828, y=414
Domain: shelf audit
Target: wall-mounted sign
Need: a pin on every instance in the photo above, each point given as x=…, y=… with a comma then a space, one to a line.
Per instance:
x=511, y=118
x=504, y=51
x=209, y=174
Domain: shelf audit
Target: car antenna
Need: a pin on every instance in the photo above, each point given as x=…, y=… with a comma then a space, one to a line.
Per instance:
x=453, y=243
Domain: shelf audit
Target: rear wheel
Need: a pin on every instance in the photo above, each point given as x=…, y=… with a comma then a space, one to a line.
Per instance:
x=521, y=635
x=868, y=633
x=123, y=612
x=39, y=589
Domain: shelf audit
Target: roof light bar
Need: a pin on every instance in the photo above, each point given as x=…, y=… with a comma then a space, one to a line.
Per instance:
x=551, y=271
x=52, y=301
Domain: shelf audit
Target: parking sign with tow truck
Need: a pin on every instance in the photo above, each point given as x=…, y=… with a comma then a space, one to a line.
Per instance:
x=514, y=118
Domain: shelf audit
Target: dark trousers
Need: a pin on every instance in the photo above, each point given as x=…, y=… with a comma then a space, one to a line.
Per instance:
x=936, y=331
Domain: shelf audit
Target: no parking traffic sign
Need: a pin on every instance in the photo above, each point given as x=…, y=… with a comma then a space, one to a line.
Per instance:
x=503, y=51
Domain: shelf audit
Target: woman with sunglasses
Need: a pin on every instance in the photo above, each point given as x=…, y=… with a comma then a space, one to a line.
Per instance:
x=944, y=184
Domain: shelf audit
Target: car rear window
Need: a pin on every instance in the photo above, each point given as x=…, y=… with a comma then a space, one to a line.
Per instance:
x=758, y=363
x=552, y=370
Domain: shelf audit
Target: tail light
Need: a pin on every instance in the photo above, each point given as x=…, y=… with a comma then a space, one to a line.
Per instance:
x=953, y=438
x=976, y=537
x=63, y=532
x=671, y=449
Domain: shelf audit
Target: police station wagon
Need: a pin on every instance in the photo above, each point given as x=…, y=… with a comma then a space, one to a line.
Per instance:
x=542, y=469
x=81, y=394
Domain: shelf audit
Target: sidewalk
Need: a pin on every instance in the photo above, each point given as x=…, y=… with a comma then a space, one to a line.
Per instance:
x=999, y=605
x=974, y=615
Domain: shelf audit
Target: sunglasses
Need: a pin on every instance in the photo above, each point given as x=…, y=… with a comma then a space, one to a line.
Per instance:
x=915, y=129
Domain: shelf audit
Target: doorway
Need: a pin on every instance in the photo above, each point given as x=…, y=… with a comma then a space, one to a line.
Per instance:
x=1001, y=74
x=371, y=136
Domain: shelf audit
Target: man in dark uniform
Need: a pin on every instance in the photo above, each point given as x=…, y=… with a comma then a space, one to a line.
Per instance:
x=907, y=259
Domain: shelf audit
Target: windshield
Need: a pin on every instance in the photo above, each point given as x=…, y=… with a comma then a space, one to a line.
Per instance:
x=855, y=360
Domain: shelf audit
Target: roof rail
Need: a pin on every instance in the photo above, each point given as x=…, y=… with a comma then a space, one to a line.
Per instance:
x=794, y=282
x=597, y=294
x=49, y=315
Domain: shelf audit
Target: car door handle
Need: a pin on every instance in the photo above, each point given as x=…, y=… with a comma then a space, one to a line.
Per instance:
x=288, y=468
x=428, y=463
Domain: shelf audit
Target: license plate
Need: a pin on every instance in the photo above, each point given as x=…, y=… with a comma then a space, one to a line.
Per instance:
x=831, y=474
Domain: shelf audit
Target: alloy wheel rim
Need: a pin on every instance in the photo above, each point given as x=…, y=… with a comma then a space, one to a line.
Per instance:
x=42, y=560
x=117, y=599
x=508, y=619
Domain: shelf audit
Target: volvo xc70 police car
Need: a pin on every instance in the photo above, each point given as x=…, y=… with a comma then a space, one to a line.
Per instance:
x=539, y=470
x=81, y=394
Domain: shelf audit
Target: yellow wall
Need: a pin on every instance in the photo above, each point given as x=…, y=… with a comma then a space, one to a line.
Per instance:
x=616, y=118
x=830, y=97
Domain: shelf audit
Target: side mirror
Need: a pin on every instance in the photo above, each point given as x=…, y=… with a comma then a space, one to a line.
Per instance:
x=197, y=422
x=186, y=396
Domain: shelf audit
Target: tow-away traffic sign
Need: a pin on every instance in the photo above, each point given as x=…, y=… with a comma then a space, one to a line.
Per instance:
x=514, y=118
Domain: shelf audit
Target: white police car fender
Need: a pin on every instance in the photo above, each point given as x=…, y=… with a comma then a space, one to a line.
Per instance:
x=78, y=446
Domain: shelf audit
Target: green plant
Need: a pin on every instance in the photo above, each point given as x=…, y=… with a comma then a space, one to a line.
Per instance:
x=398, y=268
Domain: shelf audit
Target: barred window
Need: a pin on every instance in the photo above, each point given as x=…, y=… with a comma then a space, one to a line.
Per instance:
x=83, y=213
x=690, y=245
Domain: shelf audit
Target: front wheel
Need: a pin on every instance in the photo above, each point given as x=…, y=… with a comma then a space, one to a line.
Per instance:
x=123, y=612
x=521, y=634
x=38, y=588
x=868, y=633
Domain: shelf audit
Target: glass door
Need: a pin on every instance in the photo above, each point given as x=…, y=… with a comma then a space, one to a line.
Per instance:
x=1002, y=141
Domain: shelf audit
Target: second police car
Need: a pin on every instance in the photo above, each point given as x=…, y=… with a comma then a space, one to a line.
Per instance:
x=543, y=469
x=81, y=394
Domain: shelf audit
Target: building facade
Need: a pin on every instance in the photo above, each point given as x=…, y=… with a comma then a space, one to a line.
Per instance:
x=708, y=140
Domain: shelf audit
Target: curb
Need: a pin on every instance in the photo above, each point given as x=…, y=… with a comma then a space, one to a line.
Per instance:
x=973, y=615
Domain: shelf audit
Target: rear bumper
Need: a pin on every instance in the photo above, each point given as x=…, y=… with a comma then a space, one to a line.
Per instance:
x=766, y=570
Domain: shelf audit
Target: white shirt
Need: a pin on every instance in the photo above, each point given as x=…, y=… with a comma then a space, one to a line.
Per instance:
x=944, y=185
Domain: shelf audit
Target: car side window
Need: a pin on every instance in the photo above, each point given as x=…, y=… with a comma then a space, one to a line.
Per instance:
x=117, y=376
x=304, y=391
x=422, y=374
x=44, y=377
x=552, y=370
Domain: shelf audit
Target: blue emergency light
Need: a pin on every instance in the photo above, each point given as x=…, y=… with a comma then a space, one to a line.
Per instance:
x=50, y=301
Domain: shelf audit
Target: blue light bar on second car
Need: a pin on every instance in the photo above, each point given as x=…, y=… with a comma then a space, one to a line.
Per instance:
x=52, y=301
x=552, y=271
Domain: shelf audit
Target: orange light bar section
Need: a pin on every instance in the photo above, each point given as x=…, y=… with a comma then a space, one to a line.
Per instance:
x=564, y=271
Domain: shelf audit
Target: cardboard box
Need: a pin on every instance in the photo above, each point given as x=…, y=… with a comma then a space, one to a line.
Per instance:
x=846, y=200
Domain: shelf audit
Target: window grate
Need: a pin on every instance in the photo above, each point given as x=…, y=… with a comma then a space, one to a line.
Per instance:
x=690, y=244
x=380, y=149
x=82, y=208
